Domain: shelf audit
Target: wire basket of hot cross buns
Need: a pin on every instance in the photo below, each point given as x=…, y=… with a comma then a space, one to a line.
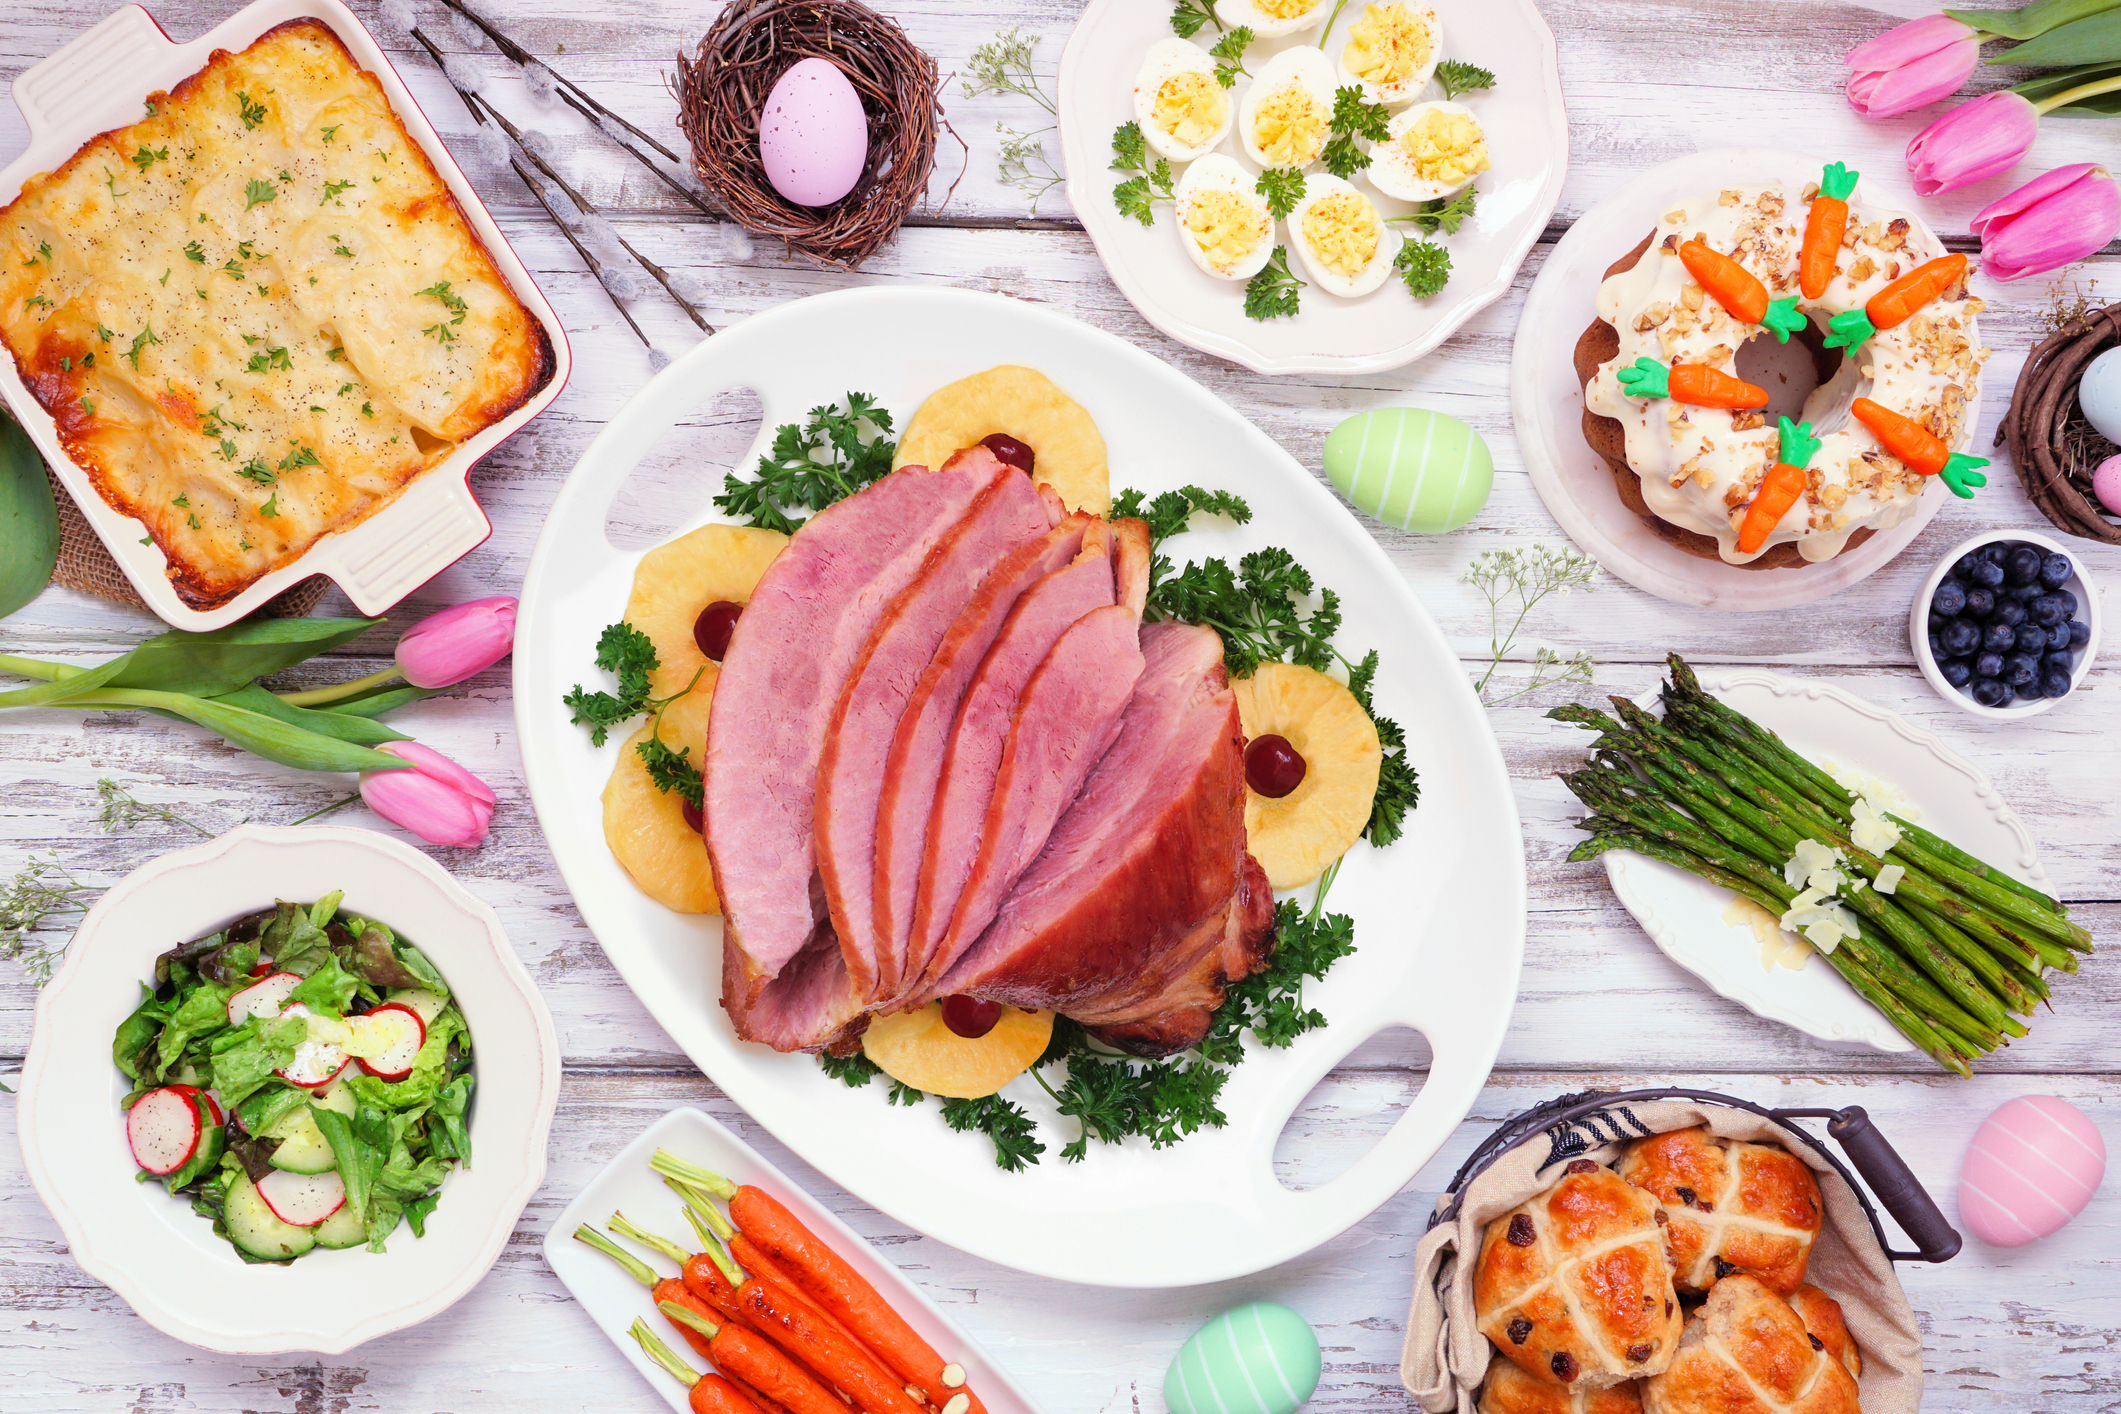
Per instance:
x=1671, y=1252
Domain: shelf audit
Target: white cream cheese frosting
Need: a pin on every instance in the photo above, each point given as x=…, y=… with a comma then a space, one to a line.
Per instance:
x=1701, y=466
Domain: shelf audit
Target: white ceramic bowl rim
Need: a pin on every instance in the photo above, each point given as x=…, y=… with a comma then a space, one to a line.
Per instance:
x=2080, y=584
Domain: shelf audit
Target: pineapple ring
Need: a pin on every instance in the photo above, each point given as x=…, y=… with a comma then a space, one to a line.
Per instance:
x=1068, y=452
x=915, y=1048
x=645, y=827
x=676, y=580
x=1296, y=837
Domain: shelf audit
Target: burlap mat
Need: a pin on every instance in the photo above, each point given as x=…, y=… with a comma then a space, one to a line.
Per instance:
x=85, y=565
x=1446, y=1355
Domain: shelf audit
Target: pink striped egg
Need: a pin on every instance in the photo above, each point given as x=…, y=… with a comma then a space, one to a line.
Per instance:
x=2032, y=1167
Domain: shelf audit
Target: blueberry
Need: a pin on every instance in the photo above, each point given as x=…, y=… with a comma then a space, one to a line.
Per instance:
x=1980, y=603
x=2058, y=639
x=1949, y=599
x=2000, y=638
x=1989, y=665
x=2080, y=633
x=1957, y=672
x=2035, y=688
x=2055, y=684
x=2057, y=662
x=2023, y=566
x=2020, y=669
x=2032, y=639
x=2023, y=593
x=2011, y=612
x=1995, y=552
x=1987, y=575
x=2055, y=571
x=1992, y=692
x=2068, y=602
x=1937, y=645
x=1960, y=637
x=1963, y=568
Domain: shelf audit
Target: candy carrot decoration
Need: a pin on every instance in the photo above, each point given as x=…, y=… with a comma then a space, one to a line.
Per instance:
x=1696, y=384
x=1742, y=296
x=1824, y=229
x=1922, y=450
x=1780, y=488
x=1897, y=302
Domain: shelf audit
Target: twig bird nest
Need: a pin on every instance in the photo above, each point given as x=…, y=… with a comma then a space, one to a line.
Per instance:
x=2054, y=447
x=723, y=88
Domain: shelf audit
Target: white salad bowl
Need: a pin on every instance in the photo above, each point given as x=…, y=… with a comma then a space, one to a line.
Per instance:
x=149, y=1246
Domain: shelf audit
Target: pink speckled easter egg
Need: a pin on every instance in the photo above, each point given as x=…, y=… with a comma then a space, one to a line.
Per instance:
x=813, y=136
x=2106, y=484
x=2032, y=1167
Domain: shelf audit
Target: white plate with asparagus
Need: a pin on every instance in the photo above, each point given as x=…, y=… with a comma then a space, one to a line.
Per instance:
x=1727, y=808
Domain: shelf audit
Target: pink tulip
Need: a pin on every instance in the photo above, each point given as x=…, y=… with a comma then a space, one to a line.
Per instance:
x=1977, y=139
x=1911, y=66
x=445, y=648
x=2064, y=215
x=438, y=800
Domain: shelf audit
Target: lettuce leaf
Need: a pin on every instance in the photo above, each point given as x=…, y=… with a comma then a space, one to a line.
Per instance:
x=327, y=990
x=246, y=1057
x=202, y=1012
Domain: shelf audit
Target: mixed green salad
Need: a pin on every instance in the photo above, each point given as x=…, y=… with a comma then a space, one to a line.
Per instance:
x=303, y=1075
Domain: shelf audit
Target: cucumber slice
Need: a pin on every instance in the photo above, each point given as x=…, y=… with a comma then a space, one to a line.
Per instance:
x=305, y=1151
x=341, y=1229
x=252, y=1226
x=426, y=1003
x=337, y=1096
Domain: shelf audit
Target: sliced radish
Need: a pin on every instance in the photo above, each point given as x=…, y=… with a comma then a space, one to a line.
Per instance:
x=302, y=1199
x=163, y=1127
x=264, y=998
x=387, y=1040
x=212, y=1104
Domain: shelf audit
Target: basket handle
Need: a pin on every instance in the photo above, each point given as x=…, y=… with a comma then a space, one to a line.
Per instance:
x=1895, y=1186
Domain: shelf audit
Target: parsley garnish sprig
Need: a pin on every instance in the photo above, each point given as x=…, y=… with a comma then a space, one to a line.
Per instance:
x=1353, y=117
x=629, y=655
x=1152, y=181
x=1190, y=15
x=828, y=458
x=1424, y=266
x=1283, y=187
x=1229, y=55
x=1457, y=77
x=1271, y=294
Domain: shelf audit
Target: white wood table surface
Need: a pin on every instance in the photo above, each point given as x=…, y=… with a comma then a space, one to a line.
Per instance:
x=2034, y=1329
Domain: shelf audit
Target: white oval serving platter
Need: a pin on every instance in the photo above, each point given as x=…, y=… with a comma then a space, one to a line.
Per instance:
x=1546, y=402
x=149, y=1246
x=1439, y=916
x=1528, y=144
x=1683, y=914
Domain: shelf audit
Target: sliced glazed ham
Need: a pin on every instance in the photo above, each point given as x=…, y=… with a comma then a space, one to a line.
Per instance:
x=980, y=735
x=850, y=780
x=1143, y=901
x=914, y=766
x=1065, y=721
x=787, y=663
x=1131, y=561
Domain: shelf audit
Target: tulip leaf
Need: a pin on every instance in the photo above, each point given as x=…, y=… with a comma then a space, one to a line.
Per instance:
x=261, y=735
x=359, y=730
x=2030, y=21
x=59, y=692
x=29, y=521
x=224, y=659
x=2098, y=105
x=375, y=704
x=2095, y=39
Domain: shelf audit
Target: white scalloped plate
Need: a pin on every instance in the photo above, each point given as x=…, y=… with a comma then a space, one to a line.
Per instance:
x=1684, y=915
x=1528, y=143
x=1547, y=403
x=150, y=1247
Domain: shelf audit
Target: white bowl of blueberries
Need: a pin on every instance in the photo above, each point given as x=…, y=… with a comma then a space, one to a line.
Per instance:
x=2006, y=625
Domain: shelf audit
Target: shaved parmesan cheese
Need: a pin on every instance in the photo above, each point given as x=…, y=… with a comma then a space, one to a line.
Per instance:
x=1825, y=936
x=1869, y=828
x=1889, y=878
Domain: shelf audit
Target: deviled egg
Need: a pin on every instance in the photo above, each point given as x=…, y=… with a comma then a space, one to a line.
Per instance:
x=1274, y=19
x=1342, y=240
x=1223, y=221
x=1182, y=110
x=1287, y=114
x=1392, y=50
x=1431, y=150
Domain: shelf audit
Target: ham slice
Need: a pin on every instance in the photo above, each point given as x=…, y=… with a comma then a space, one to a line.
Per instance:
x=1065, y=721
x=806, y=624
x=914, y=767
x=850, y=780
x=981, y=734
x=1132, y=555
x=1143, y=901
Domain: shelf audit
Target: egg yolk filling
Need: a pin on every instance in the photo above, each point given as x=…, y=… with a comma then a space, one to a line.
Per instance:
x=1287, y=9
x=1342, y=231
x=1290, y=127
x=1388, y=43
x=1225, y=226
x=1190, y=107
x=1445, y=147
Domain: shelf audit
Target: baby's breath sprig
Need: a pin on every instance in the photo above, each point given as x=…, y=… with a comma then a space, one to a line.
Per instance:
x=122, y=808
x=1528, y=576
x=1003, y=66
x=41, y=888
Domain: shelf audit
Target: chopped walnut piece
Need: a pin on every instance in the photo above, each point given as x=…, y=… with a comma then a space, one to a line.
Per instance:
x=1729, y=198
x=1892, y=272
x=1895, y=237
x=1675, y=216
x=1862, y=270
x=1874, y=232
x=1671, y=243
x=1692, y=296
x=1746, y=420
x=1811, y=189
x=1833, y=497
x=1771, y=203
x=1650, y=318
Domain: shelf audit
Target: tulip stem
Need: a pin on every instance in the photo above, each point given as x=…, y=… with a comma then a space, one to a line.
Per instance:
x=317, y=696
x=336, y=804
x=2071, y=95
x=36, y=668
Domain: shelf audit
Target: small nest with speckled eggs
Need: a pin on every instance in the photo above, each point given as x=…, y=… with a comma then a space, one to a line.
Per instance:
x=2053, y=445
x=722, y=89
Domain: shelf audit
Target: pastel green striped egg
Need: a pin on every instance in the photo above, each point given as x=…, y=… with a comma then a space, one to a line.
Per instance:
x=1419, y=470
x=1257, y=1359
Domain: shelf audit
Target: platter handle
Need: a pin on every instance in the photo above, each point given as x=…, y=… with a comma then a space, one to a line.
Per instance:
x=1895, y=1186
x=76, y=77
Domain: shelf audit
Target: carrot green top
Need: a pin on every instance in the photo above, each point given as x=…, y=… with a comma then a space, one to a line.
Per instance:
x=1837, y=181
x=1798, y=443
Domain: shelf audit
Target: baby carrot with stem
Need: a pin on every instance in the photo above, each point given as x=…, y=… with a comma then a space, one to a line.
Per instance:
x=711, y=1394
x=1824, y=227
x=1780, y=488
x=747, y=1355
x=662, y=1289
x=828, y=1279
x=816, y=1339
